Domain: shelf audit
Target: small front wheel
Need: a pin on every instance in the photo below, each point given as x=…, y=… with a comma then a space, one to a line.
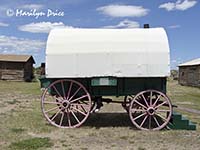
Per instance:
x=150, y=110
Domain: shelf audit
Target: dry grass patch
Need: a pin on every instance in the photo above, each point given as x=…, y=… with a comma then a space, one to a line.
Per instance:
x=111, y=128
x=31, y=144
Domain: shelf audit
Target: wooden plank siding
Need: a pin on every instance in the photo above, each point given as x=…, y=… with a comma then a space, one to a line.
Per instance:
x=18, y=71
x=189, y=75
x=12, y=75
x=11, y=71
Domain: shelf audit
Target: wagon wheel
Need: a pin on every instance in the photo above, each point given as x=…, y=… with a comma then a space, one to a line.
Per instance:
x=150, y=110
x=127, y=101
x=66, y=103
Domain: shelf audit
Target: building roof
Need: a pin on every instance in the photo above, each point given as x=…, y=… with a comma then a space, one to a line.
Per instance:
x=16, y=58
x=191, y=63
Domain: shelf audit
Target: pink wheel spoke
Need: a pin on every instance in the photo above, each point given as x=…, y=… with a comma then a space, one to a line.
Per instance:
x=156, y=100
x=83, y=109
x=79, y=111
x=60, y=100
x=78, y=98
x=56, y=91
x=161, y=116
x=139, y=116
x=68, y=118
x=48, y=102
x=149, y=122
x=84, y=102
x=69, y=91
x=61, y=120
x=75, y=117
x=63, y=90
x=82, y=106
x=138, y=110
x=145, y=118
x=161, y=104
x=140, y=104
x=145, y=100
x=75, y=93
x=151, y=94
x=76, y=104
x=56, y=115
x=54, y=108
x=160, y=110
x=156, y=121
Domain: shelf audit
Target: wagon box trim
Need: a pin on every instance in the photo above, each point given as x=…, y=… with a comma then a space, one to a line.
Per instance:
x=104, y=81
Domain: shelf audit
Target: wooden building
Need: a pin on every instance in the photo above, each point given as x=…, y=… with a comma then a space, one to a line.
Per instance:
x=16, y=67
x=189, y=73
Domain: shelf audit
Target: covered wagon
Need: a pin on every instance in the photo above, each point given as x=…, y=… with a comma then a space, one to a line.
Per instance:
x=84, y=65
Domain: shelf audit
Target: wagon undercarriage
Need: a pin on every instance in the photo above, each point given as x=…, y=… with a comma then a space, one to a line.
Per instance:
x=67, y=103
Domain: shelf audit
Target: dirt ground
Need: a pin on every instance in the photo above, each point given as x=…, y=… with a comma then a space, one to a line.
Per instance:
x=21, y=120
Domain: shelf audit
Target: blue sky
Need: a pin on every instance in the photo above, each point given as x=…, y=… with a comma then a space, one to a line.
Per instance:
x=23, y=34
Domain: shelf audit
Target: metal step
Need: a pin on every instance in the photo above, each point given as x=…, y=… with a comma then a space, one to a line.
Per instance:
x=178, y=122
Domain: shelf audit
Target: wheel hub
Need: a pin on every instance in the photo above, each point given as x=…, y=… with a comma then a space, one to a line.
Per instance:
x=151, y=111
x=65, y=104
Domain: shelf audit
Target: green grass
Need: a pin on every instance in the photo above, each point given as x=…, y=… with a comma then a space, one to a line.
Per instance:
x=13, y=101
x=141, y=148
x=22, y=87
x=84, y=148
x=17, y=130
x=32, y=120
x=31, y=144
x=124, y=137
x=183, y=95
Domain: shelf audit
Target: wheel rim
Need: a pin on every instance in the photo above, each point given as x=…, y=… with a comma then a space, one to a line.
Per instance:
x=68, y=104
x=150, y=110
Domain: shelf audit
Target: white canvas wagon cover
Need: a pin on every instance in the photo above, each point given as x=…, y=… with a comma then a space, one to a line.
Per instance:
x=72, y=53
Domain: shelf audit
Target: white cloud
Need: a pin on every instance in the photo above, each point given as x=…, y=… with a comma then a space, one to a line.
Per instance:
x=42, y=27
x=123, y=10
x=125, y=24
x=168, y=6
x=32, y=6
x=178, y=5
x=186, y=4
x=174, y=26
x=11, y=44
x=3, y=24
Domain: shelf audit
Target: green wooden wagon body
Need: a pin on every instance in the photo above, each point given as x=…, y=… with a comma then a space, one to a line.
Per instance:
x=112, y=86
